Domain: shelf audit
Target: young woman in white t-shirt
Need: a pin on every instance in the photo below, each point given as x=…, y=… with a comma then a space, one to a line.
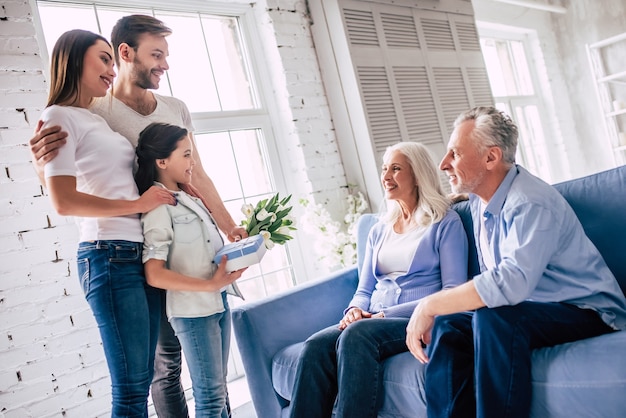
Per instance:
x=92, y=180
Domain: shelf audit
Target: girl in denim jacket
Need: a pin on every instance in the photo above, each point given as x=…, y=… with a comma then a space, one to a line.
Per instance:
x=180, y=243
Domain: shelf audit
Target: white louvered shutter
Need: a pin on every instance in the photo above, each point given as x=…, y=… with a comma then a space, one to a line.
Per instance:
x=416, y=69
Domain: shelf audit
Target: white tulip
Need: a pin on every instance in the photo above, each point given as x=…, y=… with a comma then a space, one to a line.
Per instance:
x=267, y=239
x=262, y=214
x=247, y=209
x=283, y=230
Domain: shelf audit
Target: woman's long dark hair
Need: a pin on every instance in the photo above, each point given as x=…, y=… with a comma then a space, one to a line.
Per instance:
x=66, y=65
x=157, y=141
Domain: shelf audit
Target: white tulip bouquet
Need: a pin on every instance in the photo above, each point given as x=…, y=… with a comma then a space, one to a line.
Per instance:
x=270, y=218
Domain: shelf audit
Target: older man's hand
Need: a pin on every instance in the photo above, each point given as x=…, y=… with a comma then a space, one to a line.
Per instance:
x=418, y=331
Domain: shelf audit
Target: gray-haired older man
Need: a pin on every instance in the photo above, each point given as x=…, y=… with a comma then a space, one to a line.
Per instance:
x=542, y=281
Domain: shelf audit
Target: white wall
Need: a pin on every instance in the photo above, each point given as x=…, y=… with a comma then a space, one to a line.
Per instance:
x=51, y=360
x=49, y=352
x=560, y=41
x=587, y=21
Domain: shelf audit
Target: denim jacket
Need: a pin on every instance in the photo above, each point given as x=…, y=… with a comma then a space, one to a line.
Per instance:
x=178, y=235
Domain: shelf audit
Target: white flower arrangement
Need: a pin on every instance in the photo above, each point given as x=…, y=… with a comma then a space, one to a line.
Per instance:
x=334, y=241
x=271, y=219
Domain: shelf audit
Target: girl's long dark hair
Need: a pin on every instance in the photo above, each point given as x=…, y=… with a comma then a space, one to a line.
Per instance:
x=157, y=141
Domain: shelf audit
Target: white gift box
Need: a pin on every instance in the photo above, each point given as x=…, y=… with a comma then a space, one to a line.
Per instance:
x=242, y=253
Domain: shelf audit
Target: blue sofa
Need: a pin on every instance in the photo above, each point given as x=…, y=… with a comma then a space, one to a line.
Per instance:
x=582, y=379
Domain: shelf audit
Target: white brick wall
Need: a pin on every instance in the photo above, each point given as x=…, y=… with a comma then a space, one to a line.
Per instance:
x=51, y=360
x=47, y=330
x=311, y=147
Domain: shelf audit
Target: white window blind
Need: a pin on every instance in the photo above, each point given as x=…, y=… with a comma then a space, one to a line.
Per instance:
x=416, y=69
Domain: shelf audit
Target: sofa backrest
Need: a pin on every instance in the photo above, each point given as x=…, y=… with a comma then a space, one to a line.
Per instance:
x=365, y=223
x=599, y=201
x=463, y=209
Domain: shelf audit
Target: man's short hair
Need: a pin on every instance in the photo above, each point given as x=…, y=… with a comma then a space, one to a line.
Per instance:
x=492, y=128
x=130, y=28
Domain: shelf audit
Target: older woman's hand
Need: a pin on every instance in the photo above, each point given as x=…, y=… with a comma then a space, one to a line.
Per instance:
x=353, y=315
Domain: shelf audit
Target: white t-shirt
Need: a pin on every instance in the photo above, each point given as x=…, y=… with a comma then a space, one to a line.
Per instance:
x=102, y=162
x=129, y=123
x=485, y=248
x=397, y=251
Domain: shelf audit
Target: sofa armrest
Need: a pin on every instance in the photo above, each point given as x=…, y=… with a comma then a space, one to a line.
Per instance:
x=265, y=327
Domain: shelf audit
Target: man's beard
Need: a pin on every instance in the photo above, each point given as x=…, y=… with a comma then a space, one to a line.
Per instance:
x=468, y=186
x=142, y=75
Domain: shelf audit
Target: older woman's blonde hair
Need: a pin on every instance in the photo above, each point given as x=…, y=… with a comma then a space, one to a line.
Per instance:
x=432, y=204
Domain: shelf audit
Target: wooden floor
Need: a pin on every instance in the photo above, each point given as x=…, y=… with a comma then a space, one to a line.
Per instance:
x=244, y=411
x=239, y=399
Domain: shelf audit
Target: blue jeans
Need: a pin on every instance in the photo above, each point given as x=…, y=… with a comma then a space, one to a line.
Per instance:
x=206, y=344
x=126, y=310
x=168, y=394
x=346, y=365
x=480, y=362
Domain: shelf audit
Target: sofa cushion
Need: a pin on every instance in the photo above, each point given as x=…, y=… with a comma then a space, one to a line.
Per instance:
x=284, y=366
x=403, y=387
x=565, y=377
x=586, y=376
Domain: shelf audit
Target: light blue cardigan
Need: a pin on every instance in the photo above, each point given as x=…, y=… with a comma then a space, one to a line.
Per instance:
x=439, y=262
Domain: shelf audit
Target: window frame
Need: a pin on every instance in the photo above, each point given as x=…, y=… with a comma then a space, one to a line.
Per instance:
x=556, y=163
x=263, y=118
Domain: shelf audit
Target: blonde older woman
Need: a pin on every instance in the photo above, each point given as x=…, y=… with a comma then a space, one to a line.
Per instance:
x=417, y=248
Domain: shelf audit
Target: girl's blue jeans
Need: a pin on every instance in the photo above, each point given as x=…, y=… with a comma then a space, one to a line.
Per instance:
x=127, y=312
x=206, y=342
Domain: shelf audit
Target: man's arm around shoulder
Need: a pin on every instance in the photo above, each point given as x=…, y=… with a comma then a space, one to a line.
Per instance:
x=44, y=147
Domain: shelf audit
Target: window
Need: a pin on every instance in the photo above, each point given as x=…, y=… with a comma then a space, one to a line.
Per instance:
x=212, y=71
x=515, y=93
x=237, y=162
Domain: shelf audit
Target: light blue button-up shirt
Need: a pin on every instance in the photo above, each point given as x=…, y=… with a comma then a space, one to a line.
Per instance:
x=541, y=251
